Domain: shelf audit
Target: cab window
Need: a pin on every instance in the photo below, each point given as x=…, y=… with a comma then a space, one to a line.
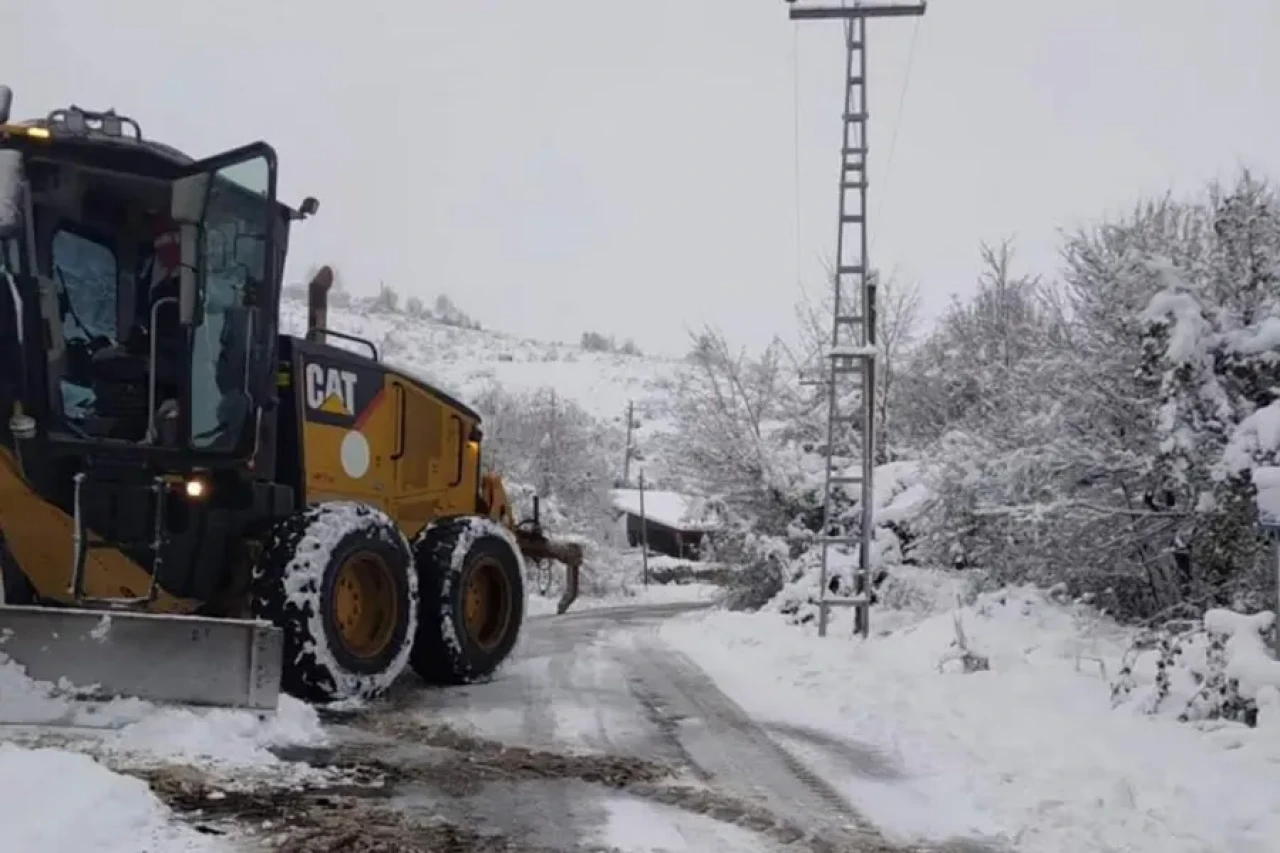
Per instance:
x=86, y=272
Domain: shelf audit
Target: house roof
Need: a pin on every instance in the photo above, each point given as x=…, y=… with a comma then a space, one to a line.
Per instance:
x=673, y=509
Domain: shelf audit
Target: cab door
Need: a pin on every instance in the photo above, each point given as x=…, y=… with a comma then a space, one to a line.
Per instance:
x=224, y=209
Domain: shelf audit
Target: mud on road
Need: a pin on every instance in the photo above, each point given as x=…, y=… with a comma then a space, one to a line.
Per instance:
x=363, y=809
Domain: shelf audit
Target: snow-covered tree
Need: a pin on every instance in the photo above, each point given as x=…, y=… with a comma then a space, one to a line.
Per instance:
x=1097, y=433
x=549, y=446
x=745, y=434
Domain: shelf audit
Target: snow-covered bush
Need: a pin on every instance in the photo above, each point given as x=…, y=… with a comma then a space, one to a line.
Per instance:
x=451, y=315
x=1213, y=668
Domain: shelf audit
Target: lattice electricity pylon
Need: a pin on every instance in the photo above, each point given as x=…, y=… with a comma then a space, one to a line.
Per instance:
x=853, y=332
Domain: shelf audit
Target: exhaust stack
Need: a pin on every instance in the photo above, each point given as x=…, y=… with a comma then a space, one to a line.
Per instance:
x=318, y=303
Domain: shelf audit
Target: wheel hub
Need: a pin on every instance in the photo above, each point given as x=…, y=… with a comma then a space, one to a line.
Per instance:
x=486, y=603
x=365, y=609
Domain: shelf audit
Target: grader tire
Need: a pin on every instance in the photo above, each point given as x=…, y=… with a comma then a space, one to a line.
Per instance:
x=338, y=580
x=473, y=595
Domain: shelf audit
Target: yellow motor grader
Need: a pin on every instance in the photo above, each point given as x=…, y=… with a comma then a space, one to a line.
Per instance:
x=195, y=507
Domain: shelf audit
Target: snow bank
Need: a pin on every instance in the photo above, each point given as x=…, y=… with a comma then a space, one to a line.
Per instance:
x=654, y=594
x=142, y=732
x=99, y=810
x=1031, y=750
x=1248, y=663
x=53, y=801
x=218, y=737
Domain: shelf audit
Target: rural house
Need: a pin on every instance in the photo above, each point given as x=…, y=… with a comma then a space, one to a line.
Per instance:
x=675, y=523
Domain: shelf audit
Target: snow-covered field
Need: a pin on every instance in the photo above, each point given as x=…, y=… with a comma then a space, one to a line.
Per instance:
x=1030, y=751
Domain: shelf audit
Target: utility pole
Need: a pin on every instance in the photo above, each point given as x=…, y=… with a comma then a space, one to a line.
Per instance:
x=1267, y=482
x=626, y=460
x=551, y=444
x=853, y=328
x=644, y=533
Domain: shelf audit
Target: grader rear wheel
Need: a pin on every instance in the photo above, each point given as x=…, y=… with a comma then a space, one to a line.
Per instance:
x=472, y=579
x=487, y=602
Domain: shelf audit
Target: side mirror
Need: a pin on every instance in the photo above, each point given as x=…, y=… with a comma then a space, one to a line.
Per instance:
x=10, y=192
x=307, y=209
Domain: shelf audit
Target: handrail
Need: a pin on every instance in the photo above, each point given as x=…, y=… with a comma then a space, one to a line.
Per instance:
x=314, y=336
x=152, y=431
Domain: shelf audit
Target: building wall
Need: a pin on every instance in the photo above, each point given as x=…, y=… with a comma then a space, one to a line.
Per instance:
x=682, y=544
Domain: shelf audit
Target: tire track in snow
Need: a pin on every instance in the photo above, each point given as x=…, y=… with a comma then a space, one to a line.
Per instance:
x=736, y=755
x=730, y=750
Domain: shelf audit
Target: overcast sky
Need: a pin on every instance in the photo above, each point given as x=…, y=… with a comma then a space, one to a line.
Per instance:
x=558, y=165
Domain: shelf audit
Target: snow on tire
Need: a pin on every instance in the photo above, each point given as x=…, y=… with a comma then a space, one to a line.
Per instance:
x=472, y=578
x=338, y=579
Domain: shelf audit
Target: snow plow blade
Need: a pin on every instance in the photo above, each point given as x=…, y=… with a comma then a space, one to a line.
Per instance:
x=192, y=660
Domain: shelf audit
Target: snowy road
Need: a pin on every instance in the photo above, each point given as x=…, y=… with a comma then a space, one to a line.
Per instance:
x=598, y=737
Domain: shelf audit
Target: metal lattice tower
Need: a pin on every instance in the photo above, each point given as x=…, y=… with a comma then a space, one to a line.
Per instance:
x=851, y=372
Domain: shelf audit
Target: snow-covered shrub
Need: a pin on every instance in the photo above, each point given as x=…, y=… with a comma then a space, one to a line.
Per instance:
x=761, y=562
x=1214, y=668
x=386, y=300
x=450, y=314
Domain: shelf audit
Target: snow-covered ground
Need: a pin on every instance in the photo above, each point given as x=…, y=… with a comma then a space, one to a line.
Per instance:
x=55, y=801
x=637, y=595
x=54, y=747
x=87, y=751
x=1031, y=752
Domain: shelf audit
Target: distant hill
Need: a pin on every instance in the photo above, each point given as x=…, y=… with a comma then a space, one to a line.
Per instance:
x=465, y=361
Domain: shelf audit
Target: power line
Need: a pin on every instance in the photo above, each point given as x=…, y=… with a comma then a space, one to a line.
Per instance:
x=795, y=102
x=897, y=124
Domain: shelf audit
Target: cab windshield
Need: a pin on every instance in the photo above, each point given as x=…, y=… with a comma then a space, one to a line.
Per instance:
x=108, y=276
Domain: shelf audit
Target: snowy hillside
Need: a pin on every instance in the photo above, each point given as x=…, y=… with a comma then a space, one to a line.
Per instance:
x=466, y=362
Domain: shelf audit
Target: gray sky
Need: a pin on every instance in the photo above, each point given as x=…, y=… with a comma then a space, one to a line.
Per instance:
x=629, y=167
